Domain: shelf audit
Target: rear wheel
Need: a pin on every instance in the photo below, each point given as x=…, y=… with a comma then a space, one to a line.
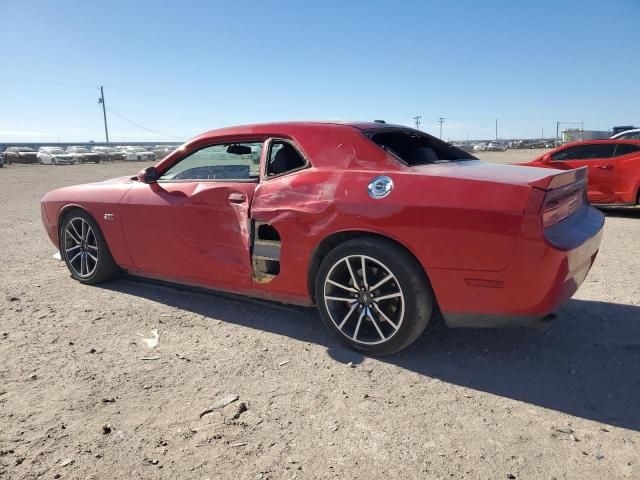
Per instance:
x=85, y=250
x=373, y=295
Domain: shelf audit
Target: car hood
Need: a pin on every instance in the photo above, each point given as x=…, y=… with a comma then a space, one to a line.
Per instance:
x=493, y=172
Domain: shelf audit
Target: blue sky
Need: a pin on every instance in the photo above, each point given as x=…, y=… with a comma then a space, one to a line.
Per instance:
x=173, y=70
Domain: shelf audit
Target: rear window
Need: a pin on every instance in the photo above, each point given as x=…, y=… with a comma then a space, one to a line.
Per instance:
x=415, y=148
x=625, y=149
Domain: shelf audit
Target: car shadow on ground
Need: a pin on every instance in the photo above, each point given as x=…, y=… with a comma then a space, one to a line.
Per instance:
x=622, y=212
x=586, y=364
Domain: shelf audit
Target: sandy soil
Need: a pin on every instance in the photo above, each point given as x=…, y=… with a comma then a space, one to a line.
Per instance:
x=82, y=397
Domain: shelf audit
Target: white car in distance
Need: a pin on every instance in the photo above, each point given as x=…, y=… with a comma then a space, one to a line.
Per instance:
x=54, y=156
x=141, y=153
x=628, y=135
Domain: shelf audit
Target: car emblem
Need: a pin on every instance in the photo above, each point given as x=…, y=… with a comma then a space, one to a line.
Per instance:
x=108, y=216
x=380, y=187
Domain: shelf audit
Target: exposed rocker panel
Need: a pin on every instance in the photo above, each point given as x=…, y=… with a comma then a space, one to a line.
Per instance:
x=266, y=249
x=265, y=253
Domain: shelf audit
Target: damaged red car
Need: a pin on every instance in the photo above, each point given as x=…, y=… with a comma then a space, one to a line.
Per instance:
x=381, y=226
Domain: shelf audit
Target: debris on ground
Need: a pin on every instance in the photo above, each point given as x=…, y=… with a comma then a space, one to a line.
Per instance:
x=152, y=342
x=223, y=402
x=242, y=407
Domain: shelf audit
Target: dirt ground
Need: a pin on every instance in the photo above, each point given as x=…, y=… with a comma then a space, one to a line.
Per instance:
x=82, y=397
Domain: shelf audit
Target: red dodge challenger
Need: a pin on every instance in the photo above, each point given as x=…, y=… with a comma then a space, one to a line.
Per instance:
x=380, y=226
x=614, y=168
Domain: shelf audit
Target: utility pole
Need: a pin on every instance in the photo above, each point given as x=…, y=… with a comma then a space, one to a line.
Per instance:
x=496, y=129
x=417, y=119
x=441, y=121
x=542, y=137
x=104, y=113
x=557, y=131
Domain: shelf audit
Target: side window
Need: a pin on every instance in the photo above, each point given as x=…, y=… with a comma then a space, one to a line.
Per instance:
x=283, y=157
x=585, y=152
x=231, y=161
x=625, y=149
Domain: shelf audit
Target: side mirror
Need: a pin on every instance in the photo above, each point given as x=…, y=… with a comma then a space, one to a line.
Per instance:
x=148, y=175
x=546, y=158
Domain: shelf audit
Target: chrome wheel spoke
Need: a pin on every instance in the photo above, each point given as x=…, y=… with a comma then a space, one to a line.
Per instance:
x=387, y=297
x=79, y=254
x=71, y=249
x=381, y=282
x=95, y=259
x=353, y=277
x=346, y=317
x=355, y=334
x=364, y=273
x=72, y=236
x=384, y=317
x=344, y=287
x=340, y=299
x=375, y=324
x=75, y=231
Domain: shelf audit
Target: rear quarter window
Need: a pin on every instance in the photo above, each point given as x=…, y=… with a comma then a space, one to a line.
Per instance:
x=416, y=148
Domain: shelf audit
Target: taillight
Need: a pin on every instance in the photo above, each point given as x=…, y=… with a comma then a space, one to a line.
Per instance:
x=562, y=202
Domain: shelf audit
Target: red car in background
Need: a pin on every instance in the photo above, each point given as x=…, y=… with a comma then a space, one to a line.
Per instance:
x=380, y=226
x=614, y=168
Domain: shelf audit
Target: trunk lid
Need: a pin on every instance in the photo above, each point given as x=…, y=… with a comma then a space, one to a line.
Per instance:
x=542, y=178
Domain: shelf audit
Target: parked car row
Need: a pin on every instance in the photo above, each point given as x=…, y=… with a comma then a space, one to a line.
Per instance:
x=79, y=154
x=494, y=146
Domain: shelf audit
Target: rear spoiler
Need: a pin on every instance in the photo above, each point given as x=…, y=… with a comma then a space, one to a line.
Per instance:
x=562, y=179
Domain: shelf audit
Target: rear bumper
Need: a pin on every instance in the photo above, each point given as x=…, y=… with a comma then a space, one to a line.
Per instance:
x=543, y=275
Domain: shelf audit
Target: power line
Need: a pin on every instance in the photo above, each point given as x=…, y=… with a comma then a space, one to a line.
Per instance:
x=141, y=126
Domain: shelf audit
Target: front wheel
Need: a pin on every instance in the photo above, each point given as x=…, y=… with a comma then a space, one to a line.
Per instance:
x=373, y=295
x=85, y=250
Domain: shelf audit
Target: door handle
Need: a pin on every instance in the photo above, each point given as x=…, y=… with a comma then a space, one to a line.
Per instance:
x=602, y=166
x=237, y=197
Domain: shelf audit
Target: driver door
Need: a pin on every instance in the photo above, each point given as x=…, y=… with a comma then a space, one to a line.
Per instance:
x=192, y=225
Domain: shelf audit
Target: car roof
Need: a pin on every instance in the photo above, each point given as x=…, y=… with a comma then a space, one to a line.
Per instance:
x=286, y=127
x=618, y=135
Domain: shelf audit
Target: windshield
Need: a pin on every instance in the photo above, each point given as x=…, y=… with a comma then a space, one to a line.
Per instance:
x=25, y=149
x=415, y=148
x=56, y=150
x=136, y=149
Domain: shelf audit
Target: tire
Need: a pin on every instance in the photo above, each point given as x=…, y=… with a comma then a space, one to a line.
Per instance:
x=385, y=317
x=85, y=250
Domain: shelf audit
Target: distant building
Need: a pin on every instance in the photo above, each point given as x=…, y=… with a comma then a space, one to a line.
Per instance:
x=578, y=135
